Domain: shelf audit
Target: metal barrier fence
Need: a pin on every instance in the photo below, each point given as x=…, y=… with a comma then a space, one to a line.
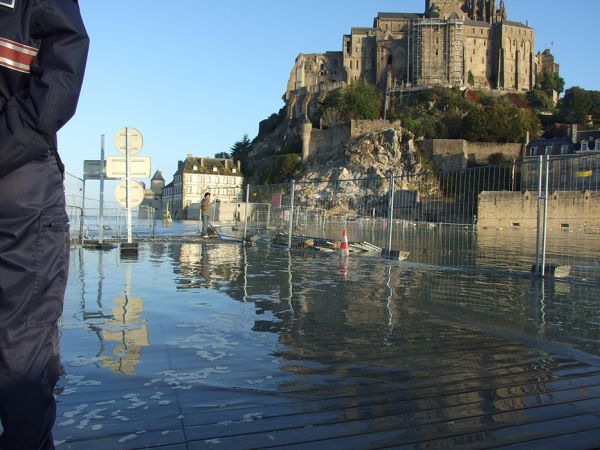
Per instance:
x=83, y=212
x=541, y=214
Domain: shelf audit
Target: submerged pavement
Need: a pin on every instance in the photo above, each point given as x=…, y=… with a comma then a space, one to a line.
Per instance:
x=217, y=345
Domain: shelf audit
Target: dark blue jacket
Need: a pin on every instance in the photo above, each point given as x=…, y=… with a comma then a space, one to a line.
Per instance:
x=43, y=51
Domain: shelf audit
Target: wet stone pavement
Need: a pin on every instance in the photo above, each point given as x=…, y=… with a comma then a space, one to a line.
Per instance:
x=215, y=345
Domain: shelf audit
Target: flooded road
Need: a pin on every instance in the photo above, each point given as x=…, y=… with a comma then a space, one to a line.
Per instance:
x=219, y=345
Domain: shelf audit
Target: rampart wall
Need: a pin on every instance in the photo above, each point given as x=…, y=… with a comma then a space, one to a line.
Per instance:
x=457, y=154
x=337, y=136
x=567, y=210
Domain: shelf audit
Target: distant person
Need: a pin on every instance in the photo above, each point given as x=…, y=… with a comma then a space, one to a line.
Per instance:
x=205, y=213
x=43, y=52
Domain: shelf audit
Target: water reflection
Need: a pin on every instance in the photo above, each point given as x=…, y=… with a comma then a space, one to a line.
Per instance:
x=245, y=332
x=121, y=331
x=127, y=329
x=304, y=287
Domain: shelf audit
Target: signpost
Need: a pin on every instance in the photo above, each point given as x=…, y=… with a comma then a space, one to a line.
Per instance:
x=139, y=167
x=129, y=142
x=136, y=194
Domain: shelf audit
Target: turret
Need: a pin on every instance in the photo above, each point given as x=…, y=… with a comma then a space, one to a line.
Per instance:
x=157, y=183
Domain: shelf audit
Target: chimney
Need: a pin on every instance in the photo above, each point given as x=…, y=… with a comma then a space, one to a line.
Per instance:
x=239, y=166
x=573, y=133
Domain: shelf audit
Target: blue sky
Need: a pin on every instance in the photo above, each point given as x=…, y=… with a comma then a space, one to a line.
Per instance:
x=194, y=76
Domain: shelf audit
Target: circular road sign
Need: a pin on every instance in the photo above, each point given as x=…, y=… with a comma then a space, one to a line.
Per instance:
x=129, y=139
x=136, y=194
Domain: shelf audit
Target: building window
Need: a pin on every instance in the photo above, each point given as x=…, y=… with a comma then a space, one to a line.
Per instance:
x=584, y=146
x=564, y=149
x=548, y=150
x=534, y=151
x=597, y=146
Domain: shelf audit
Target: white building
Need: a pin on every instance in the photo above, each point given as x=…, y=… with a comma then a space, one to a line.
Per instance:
x=194, y=177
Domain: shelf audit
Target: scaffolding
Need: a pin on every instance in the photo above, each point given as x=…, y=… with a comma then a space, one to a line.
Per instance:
x=426, y=64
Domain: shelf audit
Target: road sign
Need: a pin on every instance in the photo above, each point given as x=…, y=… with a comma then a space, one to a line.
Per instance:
x=136, y=194
x=129, y=139
x=91, y=170
x=116, y=167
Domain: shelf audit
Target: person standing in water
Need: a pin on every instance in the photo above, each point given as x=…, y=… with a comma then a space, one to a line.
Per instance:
x=43, y=53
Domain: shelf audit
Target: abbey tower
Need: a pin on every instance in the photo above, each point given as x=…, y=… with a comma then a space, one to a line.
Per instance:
x=465, y=43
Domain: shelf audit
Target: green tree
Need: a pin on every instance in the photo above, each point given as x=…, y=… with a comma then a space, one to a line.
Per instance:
x=240, y=151
x=551, y=81
x=355, y=101
x=575, y=106
x=222, y=155
x=539, y=100
x=500, y=122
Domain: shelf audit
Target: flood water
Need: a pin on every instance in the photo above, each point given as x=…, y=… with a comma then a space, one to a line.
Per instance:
x=191, y=328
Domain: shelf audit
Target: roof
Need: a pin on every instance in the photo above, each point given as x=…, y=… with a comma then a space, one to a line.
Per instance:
x=411, y=16
x=515, y=24
x=158, y=176
x=549, y=142
x=588, y=135
x=193, y=164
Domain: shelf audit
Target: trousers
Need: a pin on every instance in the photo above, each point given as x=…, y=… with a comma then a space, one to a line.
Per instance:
x=34, y=261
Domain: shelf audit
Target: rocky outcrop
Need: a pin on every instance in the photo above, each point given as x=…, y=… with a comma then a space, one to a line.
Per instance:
x=339, y=181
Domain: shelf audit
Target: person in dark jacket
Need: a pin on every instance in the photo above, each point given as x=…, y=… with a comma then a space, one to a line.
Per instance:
x=43, y=51
x=205, y=213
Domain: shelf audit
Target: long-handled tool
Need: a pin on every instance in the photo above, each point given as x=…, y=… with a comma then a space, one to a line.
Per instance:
x=215, y=230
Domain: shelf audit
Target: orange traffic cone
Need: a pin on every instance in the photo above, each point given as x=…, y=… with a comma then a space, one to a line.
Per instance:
x=344, y=247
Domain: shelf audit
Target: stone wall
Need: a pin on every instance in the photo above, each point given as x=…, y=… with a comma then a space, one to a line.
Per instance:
x=567, y=210
x=336, y=137
x=457, y=154
x=479, y=152
x=446, y=154
x=328, y=140
x=360, y=127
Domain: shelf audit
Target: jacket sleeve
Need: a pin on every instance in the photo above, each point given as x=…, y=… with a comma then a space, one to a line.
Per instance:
x=31, y=118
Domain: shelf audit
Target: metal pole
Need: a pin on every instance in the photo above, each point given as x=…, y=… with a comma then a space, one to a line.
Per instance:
x=391, y=214
x=545, y=228
x=291, y=222
x=539, y=205
x=101, y=209
x=82, y=224
x=128, y=174
x=246, y=211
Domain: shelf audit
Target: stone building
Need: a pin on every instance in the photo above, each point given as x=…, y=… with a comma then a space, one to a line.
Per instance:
x=194, y=177
x=454, y=43
x=152, y=204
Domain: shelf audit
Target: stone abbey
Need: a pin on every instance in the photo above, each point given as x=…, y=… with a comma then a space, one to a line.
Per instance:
x=454, y=43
